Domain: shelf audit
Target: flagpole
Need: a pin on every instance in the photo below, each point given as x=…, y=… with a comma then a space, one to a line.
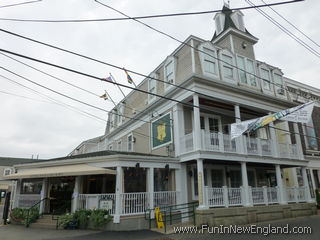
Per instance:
x=117, y=85
x=111, y=99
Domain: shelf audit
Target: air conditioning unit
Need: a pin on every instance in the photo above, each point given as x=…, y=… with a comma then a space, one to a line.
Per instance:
x=280, y=91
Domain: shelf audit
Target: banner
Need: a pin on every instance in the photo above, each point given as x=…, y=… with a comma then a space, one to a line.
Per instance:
x=300, y=114
x=161, y=131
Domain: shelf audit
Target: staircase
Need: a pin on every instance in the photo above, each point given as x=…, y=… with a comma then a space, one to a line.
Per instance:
x=44, y=221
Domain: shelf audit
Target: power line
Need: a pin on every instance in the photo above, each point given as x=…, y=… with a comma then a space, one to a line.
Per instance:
x=66, y=96
x=54, y=100
x=121, y=128
x=285, y=30
x=139, y=17
x=21, y=96
x=18, y=4
x=276, y=12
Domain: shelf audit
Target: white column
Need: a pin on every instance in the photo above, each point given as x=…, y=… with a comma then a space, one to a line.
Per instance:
x=298, y=140
x=240, y=146
x=196, y=124
x=178, y=127
x=150, y=186
x=13, y=194
x=201, y=190
x=312, y=180
x=75, y=195
x=43, y=195
x=306, y=184
x=282, y=190
x=245, y=184
x=17, y=194
x=274, y=141
x=119, y=190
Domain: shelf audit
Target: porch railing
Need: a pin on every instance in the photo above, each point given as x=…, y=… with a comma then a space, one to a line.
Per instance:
x=130, y=203
x=219, y=142
x=225, y=197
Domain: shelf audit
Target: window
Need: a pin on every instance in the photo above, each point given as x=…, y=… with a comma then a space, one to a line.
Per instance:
x=209, y=61
x=6, y=172
x=218, y=25
x=227, y=68
x=219, y=20
x=278, y=83
x=130, y=143
x=217, y=178
x=152, y=86
x=31, y=186
x=169, y=72
x=242, y=73
x=265, y=75
x=246, y=71
x=113, y=119
x=237, y=18
x=120, y=113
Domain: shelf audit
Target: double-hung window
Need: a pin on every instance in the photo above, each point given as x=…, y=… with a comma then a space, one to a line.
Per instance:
x=246, y=71
x=242, y=69
x=120, y=113
x=209, y=61
x=251, y=73
x=227, y=67
x=169, y=72
x=265, y=75
x=152, y=87
x=278, y=83
x=130, y=143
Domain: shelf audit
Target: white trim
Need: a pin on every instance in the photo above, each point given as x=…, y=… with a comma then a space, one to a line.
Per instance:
x=152, y=98
x=223, y=65
x=248, y=76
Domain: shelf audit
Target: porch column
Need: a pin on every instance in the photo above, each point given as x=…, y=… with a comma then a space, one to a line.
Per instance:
x=306, y=184
x=196, y=124
x=150, y=186
x=17, y=194
x=274, y=141
x=298, y=140
x=313, y=182
x=201, y=193
x=178, y=127
x=75, y=195
x=43, y=195
x=245, y=185
x=282, y=191
x=119, y=190
x=240, y=146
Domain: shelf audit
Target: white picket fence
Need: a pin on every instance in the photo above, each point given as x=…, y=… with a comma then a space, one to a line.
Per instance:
x=225, y=197
x=130, y=203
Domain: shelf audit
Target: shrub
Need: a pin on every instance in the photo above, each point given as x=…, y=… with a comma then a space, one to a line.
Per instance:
x=21, y=214
x=99, y=217
x=66, y=220
x=82, y=217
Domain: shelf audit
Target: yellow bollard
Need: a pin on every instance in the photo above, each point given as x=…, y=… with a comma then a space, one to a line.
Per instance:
x=159, y=218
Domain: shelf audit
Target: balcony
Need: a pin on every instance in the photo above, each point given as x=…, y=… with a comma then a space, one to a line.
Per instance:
x=220, y=142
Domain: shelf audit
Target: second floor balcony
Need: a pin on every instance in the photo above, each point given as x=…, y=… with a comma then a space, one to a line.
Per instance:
x=244, y=145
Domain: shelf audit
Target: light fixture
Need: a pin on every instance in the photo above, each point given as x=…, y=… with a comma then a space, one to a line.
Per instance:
x=244, y=45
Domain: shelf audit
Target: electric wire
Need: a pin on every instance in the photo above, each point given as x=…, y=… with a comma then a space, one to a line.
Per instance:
x=18, y=4
x=140, y=17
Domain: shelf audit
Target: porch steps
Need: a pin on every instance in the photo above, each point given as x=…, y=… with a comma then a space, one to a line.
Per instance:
x=45, y=222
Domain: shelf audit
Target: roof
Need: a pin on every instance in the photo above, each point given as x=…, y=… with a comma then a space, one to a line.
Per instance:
x=10, y=161
x=228, y=23
x=106, y=153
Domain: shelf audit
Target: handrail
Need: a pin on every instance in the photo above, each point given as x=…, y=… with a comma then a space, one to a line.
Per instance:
x=29, y=209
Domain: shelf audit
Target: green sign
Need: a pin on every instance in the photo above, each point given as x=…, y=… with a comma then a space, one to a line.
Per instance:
x=161, y=133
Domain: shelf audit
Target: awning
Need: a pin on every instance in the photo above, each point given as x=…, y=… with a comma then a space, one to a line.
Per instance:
x=60, y=171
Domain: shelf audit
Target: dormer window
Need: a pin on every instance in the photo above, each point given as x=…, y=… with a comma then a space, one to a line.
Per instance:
x=169, y=72
x=237, y=18
x=265, y=75
x=278, y=84
x=113, y=119
x=152, y=87
x=246, y=71
x=227, y=66
x=219, y=20
x=121, y=113
x=208, y=56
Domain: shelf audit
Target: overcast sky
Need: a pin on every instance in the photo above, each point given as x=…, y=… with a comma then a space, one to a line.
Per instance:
x=37, y=126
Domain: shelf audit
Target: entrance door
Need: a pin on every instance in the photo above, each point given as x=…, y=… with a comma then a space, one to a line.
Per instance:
x=211, y=126
x=60, y=192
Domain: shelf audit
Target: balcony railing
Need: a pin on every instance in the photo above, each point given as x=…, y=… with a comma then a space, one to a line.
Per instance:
x=219, y=142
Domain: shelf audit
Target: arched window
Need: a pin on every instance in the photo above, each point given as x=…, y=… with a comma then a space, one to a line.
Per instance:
x=237, y=18
x=209, y=63
x=219, y=20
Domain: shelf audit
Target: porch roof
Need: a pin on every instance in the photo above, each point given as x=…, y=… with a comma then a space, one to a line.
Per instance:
x=60, y=171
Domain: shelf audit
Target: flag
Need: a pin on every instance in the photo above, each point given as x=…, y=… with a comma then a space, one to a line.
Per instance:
x=128, y=77
x=109, y=79
x=104, y=96
x=301, y=113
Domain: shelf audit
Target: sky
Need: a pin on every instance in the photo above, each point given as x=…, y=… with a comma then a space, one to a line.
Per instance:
x=33, y=125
